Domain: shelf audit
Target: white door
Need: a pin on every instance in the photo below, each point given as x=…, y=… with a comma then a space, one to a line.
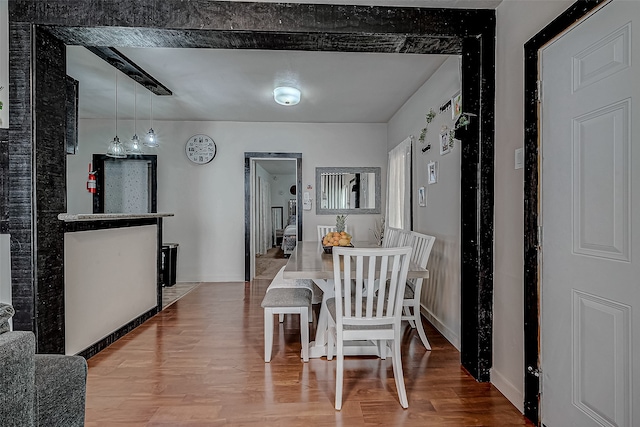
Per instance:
x=590, y=312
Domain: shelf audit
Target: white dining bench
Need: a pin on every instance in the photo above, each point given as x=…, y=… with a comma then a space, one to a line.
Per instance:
x=287, y=296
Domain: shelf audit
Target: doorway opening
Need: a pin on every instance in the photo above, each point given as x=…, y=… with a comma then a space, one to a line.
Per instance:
x=273, y=220
x=532, y=195
x=275, y=208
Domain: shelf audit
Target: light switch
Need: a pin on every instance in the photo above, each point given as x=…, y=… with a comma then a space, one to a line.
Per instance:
x=519, y=158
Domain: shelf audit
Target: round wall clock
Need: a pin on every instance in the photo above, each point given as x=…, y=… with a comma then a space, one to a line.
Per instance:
x=200, y=149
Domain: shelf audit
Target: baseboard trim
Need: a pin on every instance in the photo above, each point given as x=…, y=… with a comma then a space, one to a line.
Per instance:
x=446, y=332
x=504, y=386
x=116, y=335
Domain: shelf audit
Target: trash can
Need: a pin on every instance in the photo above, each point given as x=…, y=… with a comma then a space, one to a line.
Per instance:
x=169, y=264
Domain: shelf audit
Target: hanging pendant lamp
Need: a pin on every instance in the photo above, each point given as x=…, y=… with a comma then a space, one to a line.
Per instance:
x=116, y=149
x=135, y=146
x=150, y=139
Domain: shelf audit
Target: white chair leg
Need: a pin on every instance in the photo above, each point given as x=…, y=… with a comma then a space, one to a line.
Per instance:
x=398, y=374
x=407, y=312
x=304, y=333
x=331, y=342
x=310, y=314
x=339, y=374
x=382, y=349
x=268, y=334
x=281, y=317
x=420, y=328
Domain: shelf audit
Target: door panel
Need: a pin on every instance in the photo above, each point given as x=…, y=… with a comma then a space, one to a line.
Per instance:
x=590, y=221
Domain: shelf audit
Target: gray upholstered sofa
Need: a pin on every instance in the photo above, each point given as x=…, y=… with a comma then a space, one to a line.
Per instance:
x=38, y=389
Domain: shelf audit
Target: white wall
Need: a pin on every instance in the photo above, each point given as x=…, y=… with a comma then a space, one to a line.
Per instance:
x=280, y=194
x=441, y=216
x=517, y=22
x=208, y=200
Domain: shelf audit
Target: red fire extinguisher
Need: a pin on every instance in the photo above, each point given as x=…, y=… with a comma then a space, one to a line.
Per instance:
x=91, y=181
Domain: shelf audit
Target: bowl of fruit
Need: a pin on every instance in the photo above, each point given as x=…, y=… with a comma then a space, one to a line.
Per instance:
x=335, y=238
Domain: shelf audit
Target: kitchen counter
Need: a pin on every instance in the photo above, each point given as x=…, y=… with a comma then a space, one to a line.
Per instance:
x=111, y=269
x=68, y=217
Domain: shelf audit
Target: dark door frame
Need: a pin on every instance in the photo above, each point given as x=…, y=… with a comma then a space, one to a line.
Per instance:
x=248, y=156
x=236, y=25
x=532, y=195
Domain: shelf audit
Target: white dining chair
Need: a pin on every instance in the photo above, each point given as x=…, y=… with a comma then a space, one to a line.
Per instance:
x=421, y=250
x=390, y=238
x=358, y=313
x=405, y=238
x=323, y=230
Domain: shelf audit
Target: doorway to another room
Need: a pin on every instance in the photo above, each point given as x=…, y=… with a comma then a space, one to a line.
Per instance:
x=275, y=206
x=273, y=222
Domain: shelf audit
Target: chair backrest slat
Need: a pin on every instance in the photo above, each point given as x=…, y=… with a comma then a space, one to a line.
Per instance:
x=323, y=230
x=422, y=245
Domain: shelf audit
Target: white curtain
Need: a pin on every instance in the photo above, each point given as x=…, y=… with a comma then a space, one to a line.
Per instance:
x=264, y=221
x=335, y=191
x=399, y=186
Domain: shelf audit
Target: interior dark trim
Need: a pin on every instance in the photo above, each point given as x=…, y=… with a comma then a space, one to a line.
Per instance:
x=247, y=200
x=135, y=72
x=531, y=198
x=98, y=166
x=244, y=25
x=105, y=342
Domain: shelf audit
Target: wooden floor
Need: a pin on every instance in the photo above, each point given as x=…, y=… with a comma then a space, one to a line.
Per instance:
x=200, y=363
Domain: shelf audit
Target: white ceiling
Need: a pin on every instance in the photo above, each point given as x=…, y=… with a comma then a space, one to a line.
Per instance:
x=237, y=85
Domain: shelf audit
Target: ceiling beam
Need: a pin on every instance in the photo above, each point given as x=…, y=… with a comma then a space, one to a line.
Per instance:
x=130, y=69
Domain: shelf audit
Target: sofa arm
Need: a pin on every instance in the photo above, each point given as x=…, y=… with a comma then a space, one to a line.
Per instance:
x=60, y=390
x=16, y=379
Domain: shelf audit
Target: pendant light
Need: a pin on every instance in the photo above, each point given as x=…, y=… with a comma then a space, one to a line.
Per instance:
x=135, y=147
x=116, y=149
x=150, y=139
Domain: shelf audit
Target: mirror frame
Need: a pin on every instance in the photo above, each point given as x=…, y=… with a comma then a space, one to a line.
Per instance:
x=359, y=211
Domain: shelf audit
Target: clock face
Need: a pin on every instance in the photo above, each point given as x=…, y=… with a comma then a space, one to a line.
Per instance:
x=200, y=149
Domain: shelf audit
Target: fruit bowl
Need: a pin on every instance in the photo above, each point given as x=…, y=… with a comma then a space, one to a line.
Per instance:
x=329, y=249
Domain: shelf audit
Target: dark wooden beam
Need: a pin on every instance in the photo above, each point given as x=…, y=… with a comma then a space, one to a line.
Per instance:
x=310, y=41
x=130, y=69
x=261, y=17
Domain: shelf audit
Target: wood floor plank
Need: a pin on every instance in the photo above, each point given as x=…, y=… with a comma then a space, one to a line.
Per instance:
x=200, y=363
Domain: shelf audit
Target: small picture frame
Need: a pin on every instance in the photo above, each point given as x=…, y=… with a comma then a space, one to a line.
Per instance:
x=444, y=143
x=456, y=106
x=422, y=197
x=432, y=169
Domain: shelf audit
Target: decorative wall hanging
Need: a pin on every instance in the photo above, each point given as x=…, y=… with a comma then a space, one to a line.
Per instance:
x=444, y=140
x=456, y=101
x=433, y=172
x=463, y=120
x=422, y=197
x=428, y=118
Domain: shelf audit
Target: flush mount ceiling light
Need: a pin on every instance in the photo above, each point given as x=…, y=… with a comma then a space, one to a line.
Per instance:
x=285, y=95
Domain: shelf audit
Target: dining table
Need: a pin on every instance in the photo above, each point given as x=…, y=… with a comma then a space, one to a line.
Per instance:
x=309, y=261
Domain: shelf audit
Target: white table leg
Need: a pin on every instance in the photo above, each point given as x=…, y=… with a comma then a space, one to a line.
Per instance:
x=318, y=348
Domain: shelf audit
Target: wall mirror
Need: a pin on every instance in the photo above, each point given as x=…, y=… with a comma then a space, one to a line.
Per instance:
x=344, y=190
